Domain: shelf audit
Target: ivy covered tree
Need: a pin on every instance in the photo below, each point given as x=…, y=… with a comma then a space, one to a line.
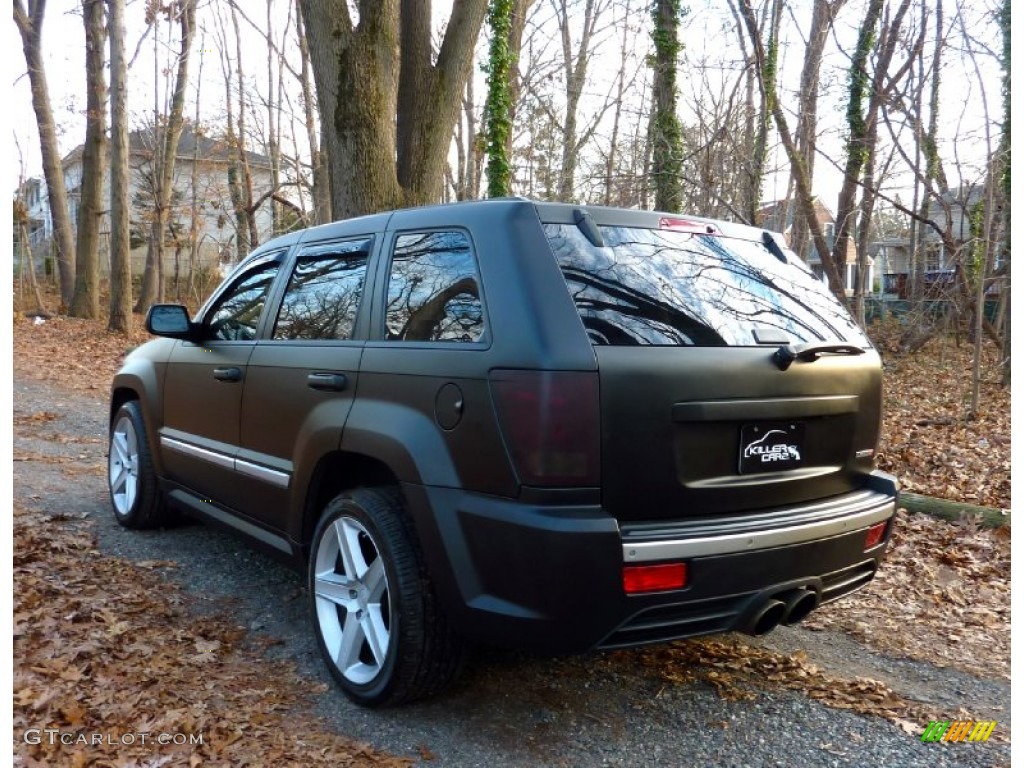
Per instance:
x=498, y=110
x=666, y=132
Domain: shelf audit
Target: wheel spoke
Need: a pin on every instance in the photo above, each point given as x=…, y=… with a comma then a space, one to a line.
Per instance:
x=130, y=442
x=348, y=547
x=376, y=581
x=118, y=444
x=351, y=644
x=118, y=481
x=377, y=635
x=334, y=587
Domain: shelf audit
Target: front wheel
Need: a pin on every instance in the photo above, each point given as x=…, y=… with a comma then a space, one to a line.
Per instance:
x=135, y=495
x=377, y=621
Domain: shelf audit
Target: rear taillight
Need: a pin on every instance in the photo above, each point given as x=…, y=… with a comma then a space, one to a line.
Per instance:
x=876, y=533
x=653, y=578
x=551, y=424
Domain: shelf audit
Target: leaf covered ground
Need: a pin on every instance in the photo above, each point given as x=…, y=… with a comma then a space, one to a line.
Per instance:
x=927, y=440
x=105, y=646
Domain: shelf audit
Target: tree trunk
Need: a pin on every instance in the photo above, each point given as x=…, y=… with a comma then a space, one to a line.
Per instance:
x=86, y=299
x=807, y=110
x=30, y=27
x=805, y=198
x=248, y=211
x=515, y=48
x=620, y=86
x=120, y=212
x=273, y=139
x=750, y=185
x=152, y=282
x=499, y=100
x=365, y=78
x=1004, y=23
x=667, y=134
x=575, y=66
x=318, y=159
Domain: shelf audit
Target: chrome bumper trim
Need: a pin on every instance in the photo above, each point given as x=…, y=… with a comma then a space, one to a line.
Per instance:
x=681, y=549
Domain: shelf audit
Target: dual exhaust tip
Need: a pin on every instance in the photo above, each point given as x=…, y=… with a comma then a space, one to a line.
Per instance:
x=787, y=608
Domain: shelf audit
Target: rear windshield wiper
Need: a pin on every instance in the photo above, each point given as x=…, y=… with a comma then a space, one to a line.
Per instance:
x=808, y=353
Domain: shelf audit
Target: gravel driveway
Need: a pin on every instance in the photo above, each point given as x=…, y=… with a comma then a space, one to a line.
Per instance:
x=508, y=709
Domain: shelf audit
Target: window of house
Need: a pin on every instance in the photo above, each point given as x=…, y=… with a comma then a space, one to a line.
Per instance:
x=236, y=315
x=324, y=292
x=434, y=289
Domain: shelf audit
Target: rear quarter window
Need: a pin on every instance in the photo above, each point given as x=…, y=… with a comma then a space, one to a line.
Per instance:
x=434, y=289
x=671, y=288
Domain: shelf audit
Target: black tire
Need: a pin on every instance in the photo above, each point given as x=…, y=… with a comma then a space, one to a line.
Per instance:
x=386, y=602
x=135, y=494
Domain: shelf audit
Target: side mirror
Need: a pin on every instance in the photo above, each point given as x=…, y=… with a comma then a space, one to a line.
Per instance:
x=169, y=320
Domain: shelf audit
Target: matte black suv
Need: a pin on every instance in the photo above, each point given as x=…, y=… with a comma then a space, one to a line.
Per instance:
x=536, y=425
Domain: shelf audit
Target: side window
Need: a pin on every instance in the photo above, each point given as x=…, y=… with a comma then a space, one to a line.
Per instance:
x=236, y=314
x=433, y=289
x=323, y=293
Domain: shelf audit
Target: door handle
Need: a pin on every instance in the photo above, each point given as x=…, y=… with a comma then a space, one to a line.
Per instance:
x=227, y=374
x=327, y=382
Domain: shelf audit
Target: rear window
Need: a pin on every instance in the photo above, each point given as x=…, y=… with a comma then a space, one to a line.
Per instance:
x=671, y=288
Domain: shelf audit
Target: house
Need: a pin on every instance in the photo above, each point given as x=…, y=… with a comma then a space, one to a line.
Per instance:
x=33, y=194
x=200, y=183
x=892, y=257
x=951, y=212
x=778, y=217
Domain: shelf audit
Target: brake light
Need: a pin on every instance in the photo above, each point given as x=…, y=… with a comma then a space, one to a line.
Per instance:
x=875, y=535
x=685, y=225
x=653, y=578
x=551, y=424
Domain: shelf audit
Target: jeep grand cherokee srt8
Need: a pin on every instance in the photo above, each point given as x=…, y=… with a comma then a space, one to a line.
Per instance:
x=544, y=426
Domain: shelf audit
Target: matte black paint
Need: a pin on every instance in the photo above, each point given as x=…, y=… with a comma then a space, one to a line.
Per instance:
x=514, y=565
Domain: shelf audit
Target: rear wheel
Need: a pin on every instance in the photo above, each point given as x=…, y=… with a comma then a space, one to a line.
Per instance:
x=134, y=492
x=377, y=621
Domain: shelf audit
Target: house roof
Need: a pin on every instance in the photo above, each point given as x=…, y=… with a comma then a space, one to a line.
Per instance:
x=778, y=214
x=191, y=144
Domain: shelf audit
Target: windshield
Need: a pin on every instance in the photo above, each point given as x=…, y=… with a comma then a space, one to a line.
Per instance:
x=658, y=287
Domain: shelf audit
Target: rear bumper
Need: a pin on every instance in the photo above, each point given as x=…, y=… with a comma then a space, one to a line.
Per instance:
x=550, y=578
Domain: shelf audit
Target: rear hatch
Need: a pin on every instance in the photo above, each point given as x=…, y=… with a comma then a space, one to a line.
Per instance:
x=731, y=380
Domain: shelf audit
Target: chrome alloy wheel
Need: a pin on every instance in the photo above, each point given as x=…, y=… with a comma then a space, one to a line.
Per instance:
x=353, y=607
x=123, y=466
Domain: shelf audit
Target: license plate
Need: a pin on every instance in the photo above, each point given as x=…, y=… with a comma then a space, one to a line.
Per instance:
x=771, y=447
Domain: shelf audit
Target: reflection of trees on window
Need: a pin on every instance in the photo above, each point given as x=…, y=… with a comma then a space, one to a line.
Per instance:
x=673, y=288
x=324, y=292
x=433, y=292
x=237, y=314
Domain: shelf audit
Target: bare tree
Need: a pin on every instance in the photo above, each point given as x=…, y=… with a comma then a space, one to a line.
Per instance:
x=86, y=299
x=807, y=105
x=575, y=64
x=21, y=231
x=120, y=213
x=317, y=152
x=164, y=156
x=805, y=198
x=30, y=27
